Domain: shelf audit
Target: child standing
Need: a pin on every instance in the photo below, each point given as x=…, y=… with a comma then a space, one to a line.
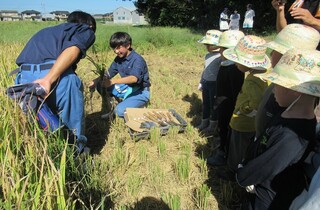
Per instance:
x=208, y=81
x=250, y=58
x=133, y=71
x=272, y=169
x=229, y=82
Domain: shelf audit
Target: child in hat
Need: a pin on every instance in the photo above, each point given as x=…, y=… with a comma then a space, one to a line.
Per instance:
x=272, y=168
x=250, y=58
x=229, y=82
x=208, y=81
x=296, y=36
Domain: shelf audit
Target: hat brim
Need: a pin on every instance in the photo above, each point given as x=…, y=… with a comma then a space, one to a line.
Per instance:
x=277, y=47
x=230, y=54
x=207, y=41
x=309, y=88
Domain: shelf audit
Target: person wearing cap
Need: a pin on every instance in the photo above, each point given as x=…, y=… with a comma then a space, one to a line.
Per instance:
x=248, y=18
x=223, y=21
x=273, y=167
x=250, y=58
x=50, y=59
x=229, y=82
x=301, y=11
x=207, y=84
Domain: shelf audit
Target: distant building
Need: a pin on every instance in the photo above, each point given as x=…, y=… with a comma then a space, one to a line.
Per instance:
x=47, y=17
x=60, y=15
x=128, y=16
x=9, y=15
x=30, y=15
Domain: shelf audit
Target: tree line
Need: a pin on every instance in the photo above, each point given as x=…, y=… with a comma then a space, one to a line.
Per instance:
x=203, y=14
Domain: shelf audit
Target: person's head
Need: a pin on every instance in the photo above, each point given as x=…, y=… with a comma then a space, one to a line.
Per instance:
x=235, y=11
x=249, y=6
x=229, y=39
x=211, y=39
x=296, y=75
x=225, y=10
x=82, y=17
x=121, y=43
x=249, y=54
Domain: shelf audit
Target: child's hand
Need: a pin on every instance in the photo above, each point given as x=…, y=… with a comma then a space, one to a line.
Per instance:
x=200, y=87
x=93, y=84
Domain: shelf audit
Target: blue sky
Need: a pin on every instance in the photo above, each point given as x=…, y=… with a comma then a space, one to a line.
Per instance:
x=46, y=6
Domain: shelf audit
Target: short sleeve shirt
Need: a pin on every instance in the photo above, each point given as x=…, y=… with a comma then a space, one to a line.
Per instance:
x=133, y=65
x=48, y=43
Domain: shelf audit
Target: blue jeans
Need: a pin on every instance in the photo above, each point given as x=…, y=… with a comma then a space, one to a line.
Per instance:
x=137, y=99
x=208, y=97
x=66, y=98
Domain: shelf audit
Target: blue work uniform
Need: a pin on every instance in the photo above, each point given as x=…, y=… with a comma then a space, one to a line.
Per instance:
x=132, y=65
x=36, y=60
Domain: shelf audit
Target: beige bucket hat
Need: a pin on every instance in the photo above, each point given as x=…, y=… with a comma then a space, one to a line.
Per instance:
x=229, y=39
x=297, y=70
x=251, y=52
x=211, y=37
x=297, y=36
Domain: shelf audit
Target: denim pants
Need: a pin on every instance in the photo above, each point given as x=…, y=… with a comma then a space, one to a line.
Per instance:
x=208, y=97
x=137, y=99
x=66, y=98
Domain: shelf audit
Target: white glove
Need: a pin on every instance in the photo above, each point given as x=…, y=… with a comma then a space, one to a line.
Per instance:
x=250, y=189
x=200, y=87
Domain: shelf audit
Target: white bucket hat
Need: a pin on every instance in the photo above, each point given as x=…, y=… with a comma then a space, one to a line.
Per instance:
x=297, y=70
x=211, y=37
x=250, y=52
x=297, y=36
x=230, y=38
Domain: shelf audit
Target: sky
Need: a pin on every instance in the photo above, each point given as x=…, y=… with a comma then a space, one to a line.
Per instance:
x=47, y=6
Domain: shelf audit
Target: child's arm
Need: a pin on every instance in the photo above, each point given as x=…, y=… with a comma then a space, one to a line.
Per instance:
x=254, y=90
x=282, y=149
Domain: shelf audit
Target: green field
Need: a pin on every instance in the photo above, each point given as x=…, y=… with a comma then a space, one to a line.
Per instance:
x=38, y=170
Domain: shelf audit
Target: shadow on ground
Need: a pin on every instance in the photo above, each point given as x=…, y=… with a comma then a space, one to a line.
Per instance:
x=195, y=108
x=97, y=131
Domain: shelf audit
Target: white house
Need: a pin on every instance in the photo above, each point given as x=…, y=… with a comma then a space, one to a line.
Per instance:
x=128, y=16
x=9, y=15
x=30, y=15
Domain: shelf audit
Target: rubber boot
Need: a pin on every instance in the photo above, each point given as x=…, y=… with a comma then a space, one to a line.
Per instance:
x=204, y=123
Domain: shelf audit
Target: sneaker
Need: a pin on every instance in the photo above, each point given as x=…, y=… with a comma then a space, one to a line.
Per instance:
x=218, y=160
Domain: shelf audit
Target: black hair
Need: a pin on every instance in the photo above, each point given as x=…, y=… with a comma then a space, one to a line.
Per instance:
x=249, y=5
x=82, y=17
x=120, y=38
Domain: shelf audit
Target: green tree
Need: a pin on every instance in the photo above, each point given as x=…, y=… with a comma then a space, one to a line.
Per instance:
x=202, y=14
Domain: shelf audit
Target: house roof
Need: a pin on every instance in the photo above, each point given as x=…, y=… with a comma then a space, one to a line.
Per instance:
x=8, y=11
x=30, y=12
x=60, y=12
x=130, y=9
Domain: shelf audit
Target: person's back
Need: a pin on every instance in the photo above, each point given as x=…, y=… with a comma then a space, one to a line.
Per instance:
x=43, y=61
